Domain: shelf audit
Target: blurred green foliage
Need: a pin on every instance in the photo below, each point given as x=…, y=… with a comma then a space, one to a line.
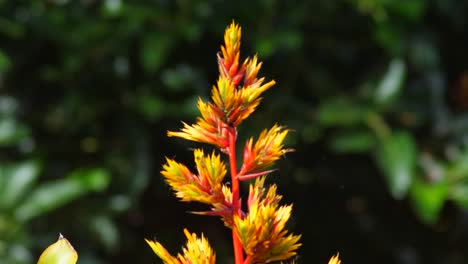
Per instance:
x=22, y=196
x=376, y=90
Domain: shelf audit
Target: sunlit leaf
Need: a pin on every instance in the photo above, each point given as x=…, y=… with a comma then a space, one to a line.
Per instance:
x=396, y=156
x=16, y=180
x=54, y=194
x=106, y=231
x=353, y=141
x=16, y=253
x=428, y=199
x=11, y=131
x=459, y=167
x=459, y=194
x=457, y=171
x=391, y=83
x=341, y=112
x=112, y=7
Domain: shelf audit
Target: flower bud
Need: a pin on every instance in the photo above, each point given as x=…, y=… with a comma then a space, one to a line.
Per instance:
x=61, y=252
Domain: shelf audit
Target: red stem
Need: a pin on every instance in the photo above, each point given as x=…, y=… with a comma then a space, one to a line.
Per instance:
x=248, y=260
x=238, y=251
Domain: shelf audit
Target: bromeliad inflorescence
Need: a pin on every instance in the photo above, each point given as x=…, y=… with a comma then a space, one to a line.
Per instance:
x=259, y=233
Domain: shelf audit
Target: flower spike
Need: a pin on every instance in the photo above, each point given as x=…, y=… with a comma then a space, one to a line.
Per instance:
x=259, y=234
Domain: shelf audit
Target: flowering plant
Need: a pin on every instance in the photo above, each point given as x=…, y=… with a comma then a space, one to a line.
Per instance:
x=259, y=234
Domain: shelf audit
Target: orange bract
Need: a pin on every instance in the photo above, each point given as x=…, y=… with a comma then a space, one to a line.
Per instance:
x=262, y=231
x=206, y=187
x=267, y=149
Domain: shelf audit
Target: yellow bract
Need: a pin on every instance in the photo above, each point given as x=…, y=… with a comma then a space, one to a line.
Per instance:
x=210, y=168
x=197, y=250
x=262, y=231
x=334, y=260
x=267, y=149
x=230, y=51
x=61, y=252
x=205, y=187
x=209, y=128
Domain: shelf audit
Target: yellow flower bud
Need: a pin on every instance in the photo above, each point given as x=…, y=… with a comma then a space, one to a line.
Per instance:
x=61, y=252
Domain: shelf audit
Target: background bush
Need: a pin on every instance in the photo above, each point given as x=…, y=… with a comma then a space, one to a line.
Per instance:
x=375, y=90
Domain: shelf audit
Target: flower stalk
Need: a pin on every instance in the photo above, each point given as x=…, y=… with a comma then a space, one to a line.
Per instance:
x=238, y=251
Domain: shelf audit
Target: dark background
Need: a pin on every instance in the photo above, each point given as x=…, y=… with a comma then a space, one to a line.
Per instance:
x=375, y=91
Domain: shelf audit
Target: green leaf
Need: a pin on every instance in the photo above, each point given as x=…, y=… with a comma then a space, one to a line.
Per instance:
x=311, y=133
x=428, y=199
x=13, y=29
x=112, y=7
x=353, y=141
x=191, y=31
x=16, y=180
x=458, y=168
x=55, y=194
x=340, y=112
x=180, y=78
x=289, y=39
x=412, y=10
x=459, y=194
x=5, y=62
x=396, y=156
x=106, y=231
x=390, y=36
x=392, y=82
x=154, y=51
x=15, y=252
x=457, y=172
x=11, y=132
x=265, y=47
x=153, y=107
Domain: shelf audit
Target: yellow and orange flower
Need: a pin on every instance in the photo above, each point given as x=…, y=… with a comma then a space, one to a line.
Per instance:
x=267, y=149
x=262, y=231
x=235, y=96
x=209, y=128
x=228, y=60
x=206, y=187
x=197, y=250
